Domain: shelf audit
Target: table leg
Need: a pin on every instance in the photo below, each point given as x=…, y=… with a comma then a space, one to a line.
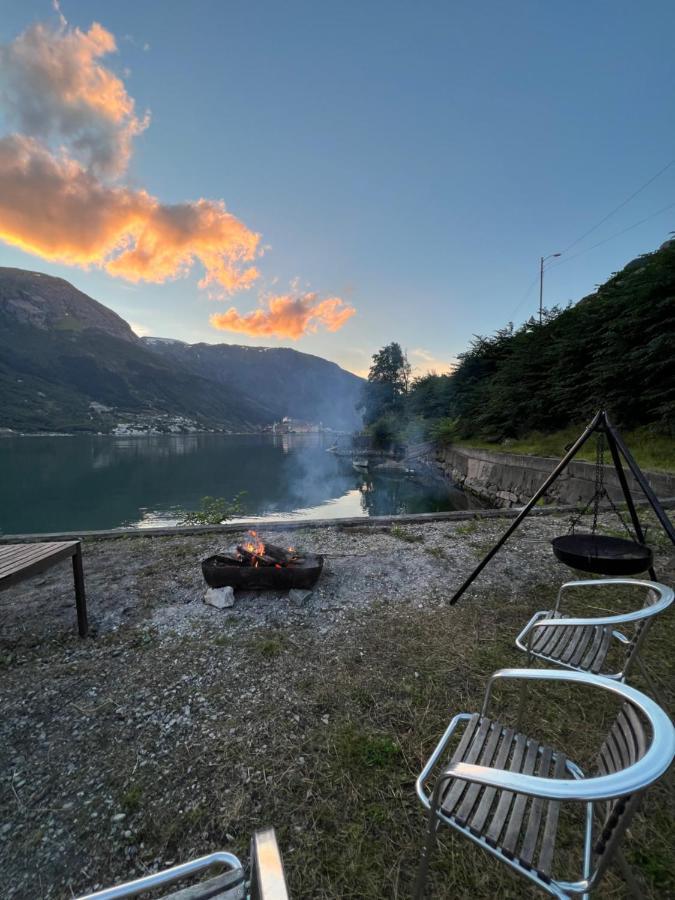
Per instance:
x=80, y=599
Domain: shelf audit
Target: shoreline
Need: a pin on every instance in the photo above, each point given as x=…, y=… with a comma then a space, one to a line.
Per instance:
x=309, y=524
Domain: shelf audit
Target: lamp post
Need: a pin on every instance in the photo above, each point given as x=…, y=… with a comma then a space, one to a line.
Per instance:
x=542, y=260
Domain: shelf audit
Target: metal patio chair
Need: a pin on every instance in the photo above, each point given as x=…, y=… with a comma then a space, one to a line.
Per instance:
x=488, y=791
x=266, y=881
x=583, y=644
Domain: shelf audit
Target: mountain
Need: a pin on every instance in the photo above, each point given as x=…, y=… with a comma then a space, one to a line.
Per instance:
x=287, y=382
x=68, y=363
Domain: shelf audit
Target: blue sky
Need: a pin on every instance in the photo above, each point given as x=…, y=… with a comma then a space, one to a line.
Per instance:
x=414, y=159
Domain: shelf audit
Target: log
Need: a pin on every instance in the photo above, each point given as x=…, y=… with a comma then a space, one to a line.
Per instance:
x=253, y=559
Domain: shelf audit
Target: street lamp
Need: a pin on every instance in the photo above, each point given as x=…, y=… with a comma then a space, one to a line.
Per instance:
x=542, y=260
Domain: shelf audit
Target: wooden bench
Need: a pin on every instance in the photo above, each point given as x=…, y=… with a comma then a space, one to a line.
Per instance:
x=20, y=561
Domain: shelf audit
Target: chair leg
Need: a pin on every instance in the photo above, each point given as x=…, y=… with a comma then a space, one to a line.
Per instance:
x=634, y=888
x=425, y=858
x=658, y=696
x=80, y=597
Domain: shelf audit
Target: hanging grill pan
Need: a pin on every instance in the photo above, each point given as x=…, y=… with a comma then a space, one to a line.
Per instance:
x=602, y=554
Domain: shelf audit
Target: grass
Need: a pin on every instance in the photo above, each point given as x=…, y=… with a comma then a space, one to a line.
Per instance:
x=329, y=751
x=339, y=787
x=652, y=451
x=404, y=535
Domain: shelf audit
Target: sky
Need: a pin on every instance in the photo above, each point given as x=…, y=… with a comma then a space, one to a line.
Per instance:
x=334, y=177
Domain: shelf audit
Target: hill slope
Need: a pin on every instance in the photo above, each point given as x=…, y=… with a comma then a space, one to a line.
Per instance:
x=68, y=363
x=613, y=349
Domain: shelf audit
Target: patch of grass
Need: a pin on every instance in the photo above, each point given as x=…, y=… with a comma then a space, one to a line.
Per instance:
x=470, y=528
x=404, y=535
x=267, y=644
x=436, y=552
x=356, y=749
x=222, y=640
x=132, y=799
x=652, y=451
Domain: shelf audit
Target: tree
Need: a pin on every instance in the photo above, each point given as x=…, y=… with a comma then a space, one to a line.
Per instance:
x=388, y=383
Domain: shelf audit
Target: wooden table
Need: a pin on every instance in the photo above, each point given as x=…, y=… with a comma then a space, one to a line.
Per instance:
x=20, y=561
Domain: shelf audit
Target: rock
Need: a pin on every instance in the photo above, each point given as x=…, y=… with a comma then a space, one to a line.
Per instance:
x=219, y=597
x=298, y=596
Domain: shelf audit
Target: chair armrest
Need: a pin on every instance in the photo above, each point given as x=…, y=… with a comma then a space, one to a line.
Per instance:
x=619, y=619
x=666, y=594
x=603, y=787
x=168, y=876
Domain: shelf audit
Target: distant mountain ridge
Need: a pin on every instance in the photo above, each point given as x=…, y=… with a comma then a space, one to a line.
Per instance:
x=68, y=363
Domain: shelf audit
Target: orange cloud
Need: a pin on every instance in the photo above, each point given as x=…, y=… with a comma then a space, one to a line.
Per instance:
x=53, y=86
x=286, y=316
x=54, y=207
x=62, y=196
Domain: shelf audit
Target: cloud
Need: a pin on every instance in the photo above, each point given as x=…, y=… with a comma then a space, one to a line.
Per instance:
x=63, y=195
x=287, y=316
x=53, y=87
x=140, y=330
x=52, y=206
x=424, y=361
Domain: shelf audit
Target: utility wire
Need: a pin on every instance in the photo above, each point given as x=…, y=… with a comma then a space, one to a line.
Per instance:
x=612, y=236
x=525, y=296
x=620, y=206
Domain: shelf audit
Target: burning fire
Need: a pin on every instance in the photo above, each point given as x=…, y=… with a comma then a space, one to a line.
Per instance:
x=259, y=552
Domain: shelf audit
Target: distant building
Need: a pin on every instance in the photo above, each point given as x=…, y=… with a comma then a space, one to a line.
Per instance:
x=295, y=426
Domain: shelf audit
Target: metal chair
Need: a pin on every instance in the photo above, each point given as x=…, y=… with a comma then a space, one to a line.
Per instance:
x=267, y=880
x=488, y=790
x=583, y=644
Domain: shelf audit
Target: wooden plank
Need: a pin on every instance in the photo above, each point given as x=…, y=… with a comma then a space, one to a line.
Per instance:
x=27, y=553
x=518, y=809
x=547, y=848
x=34, y=561
x=527, y=849
x=585, y=638
x=499, y=818
x=637, y=727
x=474, y=789
x=593, y=649
x=624, y=740
x=470, y=756
x=228, y=886
x=480, y=816
x=601, y=654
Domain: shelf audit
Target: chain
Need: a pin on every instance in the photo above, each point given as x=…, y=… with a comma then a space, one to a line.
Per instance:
x=600, y=492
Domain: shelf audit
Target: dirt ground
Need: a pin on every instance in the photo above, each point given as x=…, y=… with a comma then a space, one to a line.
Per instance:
x=178, y=728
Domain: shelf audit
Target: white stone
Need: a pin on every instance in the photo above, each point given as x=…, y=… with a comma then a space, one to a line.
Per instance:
x=298, y=596
x=219, y=597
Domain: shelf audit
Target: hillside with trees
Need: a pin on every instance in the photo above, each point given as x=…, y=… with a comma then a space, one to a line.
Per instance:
x=613, y=349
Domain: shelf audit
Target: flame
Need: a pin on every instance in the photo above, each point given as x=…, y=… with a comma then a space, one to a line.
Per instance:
x=257, y=548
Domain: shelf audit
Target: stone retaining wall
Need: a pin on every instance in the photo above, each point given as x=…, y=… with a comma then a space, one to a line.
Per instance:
x=509, y=479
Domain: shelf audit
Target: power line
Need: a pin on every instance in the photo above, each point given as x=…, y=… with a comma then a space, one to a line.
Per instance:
x=620, y=206
x=525, y=296
x=612, y=236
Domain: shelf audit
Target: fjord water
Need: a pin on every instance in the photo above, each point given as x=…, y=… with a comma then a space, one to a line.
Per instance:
x=56, y=484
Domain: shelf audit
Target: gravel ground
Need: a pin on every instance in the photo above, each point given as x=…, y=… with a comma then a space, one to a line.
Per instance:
x=178, y=727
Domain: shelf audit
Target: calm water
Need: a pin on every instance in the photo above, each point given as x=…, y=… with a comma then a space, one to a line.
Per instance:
x=82, y=482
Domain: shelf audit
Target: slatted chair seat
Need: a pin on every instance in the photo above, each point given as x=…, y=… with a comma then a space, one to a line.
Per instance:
x=513, y=824
x=580, y=647
x=504, y=790
x=583, y=644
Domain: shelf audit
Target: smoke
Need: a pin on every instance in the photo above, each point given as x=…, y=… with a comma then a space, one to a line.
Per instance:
x=287, y=316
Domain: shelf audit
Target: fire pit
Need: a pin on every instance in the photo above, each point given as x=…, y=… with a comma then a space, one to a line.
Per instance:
x=256, y=565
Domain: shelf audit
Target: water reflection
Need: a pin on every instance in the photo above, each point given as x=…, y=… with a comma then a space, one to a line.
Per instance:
x=83, y=482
